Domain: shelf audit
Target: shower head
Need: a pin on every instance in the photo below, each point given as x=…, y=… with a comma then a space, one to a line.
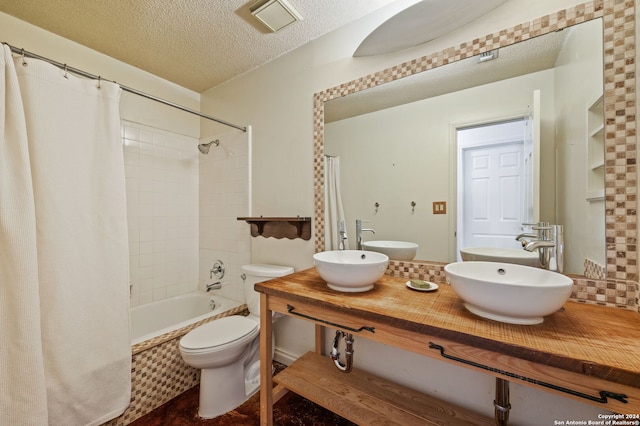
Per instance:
x=204, y=147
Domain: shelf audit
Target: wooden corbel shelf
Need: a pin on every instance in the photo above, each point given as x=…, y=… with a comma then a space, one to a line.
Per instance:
x=280, y=227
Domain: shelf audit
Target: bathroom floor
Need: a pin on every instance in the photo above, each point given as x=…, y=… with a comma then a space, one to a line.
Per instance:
x=290, y=410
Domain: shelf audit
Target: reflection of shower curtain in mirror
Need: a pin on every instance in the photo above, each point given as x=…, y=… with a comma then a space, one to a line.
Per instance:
x=333, y=210
x=65, y=353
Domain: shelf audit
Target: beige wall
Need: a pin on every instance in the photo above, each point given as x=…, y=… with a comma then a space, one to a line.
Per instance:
x=276, y=99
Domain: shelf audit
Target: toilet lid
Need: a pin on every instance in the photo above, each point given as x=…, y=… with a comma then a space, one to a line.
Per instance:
x=218, y=332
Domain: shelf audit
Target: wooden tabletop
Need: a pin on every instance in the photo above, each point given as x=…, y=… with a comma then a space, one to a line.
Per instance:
x=587, y=339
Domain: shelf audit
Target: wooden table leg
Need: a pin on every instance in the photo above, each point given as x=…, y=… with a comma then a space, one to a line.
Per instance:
x=266, y=363
x=319, y=339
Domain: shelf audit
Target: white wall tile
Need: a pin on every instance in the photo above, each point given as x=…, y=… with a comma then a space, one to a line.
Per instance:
x=223, y=196
x=182, y=209
x=161, y=171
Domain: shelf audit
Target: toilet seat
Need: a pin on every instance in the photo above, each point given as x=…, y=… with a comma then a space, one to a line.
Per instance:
x=220, y=332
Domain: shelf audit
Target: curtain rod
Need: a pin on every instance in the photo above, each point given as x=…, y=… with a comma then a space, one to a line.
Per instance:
x=27, y=54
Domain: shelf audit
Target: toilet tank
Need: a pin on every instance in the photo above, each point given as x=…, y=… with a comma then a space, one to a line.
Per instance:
x=256, y=273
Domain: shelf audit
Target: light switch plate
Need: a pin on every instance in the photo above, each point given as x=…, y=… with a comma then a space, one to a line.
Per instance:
x=439, y=207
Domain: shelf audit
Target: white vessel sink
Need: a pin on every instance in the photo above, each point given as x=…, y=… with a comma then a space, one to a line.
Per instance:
x=396, y=250
x=506, y=255
x=350, y=270
x=508, y=293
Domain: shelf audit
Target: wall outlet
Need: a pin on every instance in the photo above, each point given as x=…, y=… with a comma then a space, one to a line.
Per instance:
x=439, y=207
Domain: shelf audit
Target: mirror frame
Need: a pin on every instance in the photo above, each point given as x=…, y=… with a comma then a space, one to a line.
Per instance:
x=620, y=128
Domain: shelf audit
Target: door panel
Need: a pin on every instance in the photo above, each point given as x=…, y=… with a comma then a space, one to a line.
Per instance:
x=493, y=206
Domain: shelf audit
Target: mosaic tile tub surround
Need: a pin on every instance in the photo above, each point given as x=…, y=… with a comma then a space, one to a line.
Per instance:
x=620, y=287
x=158, y=373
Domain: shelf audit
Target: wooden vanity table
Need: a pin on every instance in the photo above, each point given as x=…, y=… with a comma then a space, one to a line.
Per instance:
x=585, y=352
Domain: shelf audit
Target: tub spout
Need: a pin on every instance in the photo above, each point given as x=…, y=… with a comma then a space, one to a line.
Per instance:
x=214, y=286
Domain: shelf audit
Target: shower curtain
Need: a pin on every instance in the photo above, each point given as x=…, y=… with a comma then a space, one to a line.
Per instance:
x=65, y=352
x=333, y=210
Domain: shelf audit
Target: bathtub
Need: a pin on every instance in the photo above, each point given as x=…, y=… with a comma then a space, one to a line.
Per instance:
x=164, y=316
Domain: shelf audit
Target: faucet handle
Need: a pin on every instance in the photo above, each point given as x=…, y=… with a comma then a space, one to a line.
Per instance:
x=542, y=228
x=217, y=270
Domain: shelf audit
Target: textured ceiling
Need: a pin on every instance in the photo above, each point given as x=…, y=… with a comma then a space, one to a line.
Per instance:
x=197, y=44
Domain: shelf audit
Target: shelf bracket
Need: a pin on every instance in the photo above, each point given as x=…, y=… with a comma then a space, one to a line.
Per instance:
x=280, y=227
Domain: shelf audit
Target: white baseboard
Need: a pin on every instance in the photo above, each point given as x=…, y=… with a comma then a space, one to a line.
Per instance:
x=284, y=357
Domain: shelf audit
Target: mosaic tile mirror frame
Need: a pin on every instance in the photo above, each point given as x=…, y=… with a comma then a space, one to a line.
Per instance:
x=618, y=18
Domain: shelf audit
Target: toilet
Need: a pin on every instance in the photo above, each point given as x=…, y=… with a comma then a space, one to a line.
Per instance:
x=227, y=350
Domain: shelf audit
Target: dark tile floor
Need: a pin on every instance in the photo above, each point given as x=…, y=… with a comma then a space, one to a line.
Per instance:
x=291, y=410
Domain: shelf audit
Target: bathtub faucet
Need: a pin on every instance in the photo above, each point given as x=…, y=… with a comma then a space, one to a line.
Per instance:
x=217, y=270
x=214, y=286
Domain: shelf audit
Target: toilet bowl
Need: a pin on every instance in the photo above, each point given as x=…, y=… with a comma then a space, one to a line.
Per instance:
x=227, y=350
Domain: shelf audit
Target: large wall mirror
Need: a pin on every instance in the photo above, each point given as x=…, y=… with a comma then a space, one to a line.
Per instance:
x=397, y=136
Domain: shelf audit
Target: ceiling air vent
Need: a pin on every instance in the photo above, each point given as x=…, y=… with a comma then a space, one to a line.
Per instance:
x=488, y=56
x=275, y=14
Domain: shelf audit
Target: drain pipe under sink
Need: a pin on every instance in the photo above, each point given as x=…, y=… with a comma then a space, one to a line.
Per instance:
x=335, y=355
x=501, y=403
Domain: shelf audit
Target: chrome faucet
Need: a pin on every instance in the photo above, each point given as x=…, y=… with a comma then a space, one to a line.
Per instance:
x=525, y=237
x=342, y=235
x=214, y=286
x=359, y=231
x=549, y=244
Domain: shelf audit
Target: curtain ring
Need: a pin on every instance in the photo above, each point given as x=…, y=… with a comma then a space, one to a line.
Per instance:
x=99, y=82
x=65, y=71
x=24, y=62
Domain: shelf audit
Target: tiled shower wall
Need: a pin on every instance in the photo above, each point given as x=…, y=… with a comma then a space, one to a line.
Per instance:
x=224, y=196
x=182, y=211
x=161, y=170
